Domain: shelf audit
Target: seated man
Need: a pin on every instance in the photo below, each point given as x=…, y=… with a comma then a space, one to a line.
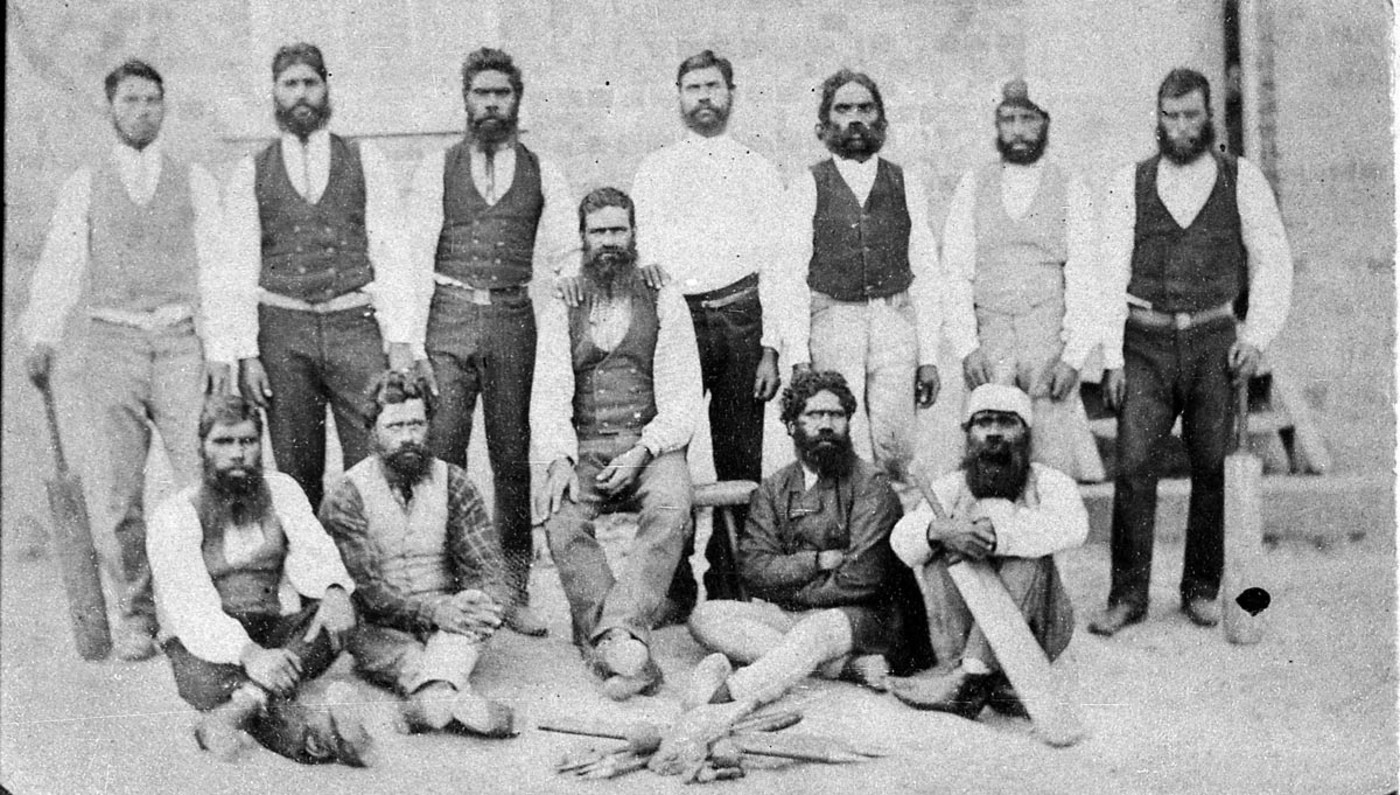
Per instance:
x=256, y=600
x=1001, y=508
x=430, y=579
x=617, y=391
x=831, y=596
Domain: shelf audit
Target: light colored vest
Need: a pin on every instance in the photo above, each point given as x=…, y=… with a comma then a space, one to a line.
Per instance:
x=142, y=256
x=1020, y=262
x=413, y=542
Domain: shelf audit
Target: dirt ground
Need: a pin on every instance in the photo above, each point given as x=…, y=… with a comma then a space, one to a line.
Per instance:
x=1171, y=708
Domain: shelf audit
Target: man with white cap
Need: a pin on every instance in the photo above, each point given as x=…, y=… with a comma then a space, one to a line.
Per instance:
x=998, y=507
x=1019, y=247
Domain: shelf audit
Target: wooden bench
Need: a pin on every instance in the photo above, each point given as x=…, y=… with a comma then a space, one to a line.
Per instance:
x=722, y=497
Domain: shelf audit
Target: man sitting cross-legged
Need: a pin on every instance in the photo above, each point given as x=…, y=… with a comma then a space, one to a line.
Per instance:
x=430, y=578
x=257, y=600
x=832, y=597
x=998, y=507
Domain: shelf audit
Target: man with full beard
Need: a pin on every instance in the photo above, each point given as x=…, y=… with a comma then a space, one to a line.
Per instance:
x=830, y=596
x=1190, y=231
x=429, y=579
x=709, y=213
x=492, y=217
x=871, y=264
x=998, y=507
x=1024, y=294
x=255, y=600
x=316, y=280
x=135, y=238
x=617, y=393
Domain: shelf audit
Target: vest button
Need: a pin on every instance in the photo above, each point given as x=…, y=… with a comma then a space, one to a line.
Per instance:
x=296, y=228
x=330, y=249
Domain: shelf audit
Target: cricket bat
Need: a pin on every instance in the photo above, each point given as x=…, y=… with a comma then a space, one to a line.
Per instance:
x=1017, y=651
x=77, y=558
x=1243, y=600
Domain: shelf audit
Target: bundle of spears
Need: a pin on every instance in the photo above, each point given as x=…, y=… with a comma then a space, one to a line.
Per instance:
x=709, y=743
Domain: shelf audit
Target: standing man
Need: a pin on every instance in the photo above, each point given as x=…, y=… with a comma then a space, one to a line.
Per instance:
x=256, y=601
x=491, y=214
x=619, y=389
x=135, y=235
x=429, y=579
x=316, y=274
x=1020, y=250
x=709, y=213
x=831, y=596
x=872, y=265
x=1001, y=508
x=1189, y=230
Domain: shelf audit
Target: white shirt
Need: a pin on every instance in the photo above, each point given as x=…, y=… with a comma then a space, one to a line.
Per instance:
x=1082, y=328
x=1184, y=190
x=925, y=291
x=675, y=381
x=556, y=240
x=58, y=280
x=189, y=602
x=1058, y=521
x=391, y=288
x=709, y=211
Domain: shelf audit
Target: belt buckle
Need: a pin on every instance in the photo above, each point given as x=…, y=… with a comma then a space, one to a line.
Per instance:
x=1182, y=320
x=480, y=296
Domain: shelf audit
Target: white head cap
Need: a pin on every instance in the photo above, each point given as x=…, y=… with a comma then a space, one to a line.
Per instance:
x=998, y=397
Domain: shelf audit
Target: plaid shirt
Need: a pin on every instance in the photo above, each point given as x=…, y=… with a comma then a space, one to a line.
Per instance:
x=472, y=546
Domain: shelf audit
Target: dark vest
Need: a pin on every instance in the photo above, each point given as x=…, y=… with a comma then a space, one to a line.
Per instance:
x=142, y=256
x=313, y=252
x=485, y=245
x=613, y=389
x=251, y=586
x=860, y=252
x=1191, y=269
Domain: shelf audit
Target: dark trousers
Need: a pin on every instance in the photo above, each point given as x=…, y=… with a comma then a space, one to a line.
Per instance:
x=312, y=359
x=728, y=341
x=206, y=685
x=1172, y=373
x=488, y=351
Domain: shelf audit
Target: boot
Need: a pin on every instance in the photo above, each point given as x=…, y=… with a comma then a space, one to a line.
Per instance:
x=483, y=716
x=430, y=707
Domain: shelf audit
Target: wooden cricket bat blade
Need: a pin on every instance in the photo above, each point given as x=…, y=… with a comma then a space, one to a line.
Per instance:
x=1243, y=600
x=1017, y=651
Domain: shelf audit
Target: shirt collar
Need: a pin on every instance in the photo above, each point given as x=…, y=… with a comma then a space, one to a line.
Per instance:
x=868, y=168
x=713, y=143
x=1204, y=163
x=315, y=142
x=130, y=156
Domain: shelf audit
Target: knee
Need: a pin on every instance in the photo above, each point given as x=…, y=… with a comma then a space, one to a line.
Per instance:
x=709, y=620
x=829, y=630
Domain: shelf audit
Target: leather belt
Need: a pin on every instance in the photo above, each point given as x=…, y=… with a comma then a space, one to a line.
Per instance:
x=158, y=318
x=724, y=296
x=481, y=296
x=1178, y=320
x=350, y=300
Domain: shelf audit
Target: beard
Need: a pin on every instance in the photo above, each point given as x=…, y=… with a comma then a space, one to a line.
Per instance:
x=858, y=141
x=302, y=118
x=998, y=467
x=707, y=124
x=406, y=466
x=234, y=496
x=609, y=267
x=1024, y=155
x=827, y=453
x=492, y=129
x=1184, y=152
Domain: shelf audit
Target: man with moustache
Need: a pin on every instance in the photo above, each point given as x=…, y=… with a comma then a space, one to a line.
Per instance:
x=872, y=266
x=255, y=600
x=430, y=583
x=1189, y=232
x=830, y=596
x=1019, y=248
x=617, y=392
x=316, y=277
x=135, y=236
x=709, y=214
x=491, y=216
x=999, y=507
